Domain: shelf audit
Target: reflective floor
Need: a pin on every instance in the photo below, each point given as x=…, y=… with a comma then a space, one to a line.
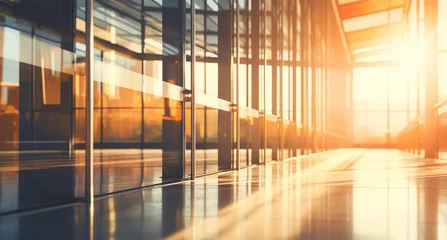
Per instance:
x=342, y=194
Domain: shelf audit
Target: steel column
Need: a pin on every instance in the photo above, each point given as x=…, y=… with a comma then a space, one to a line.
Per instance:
x=281, y=76
x=418, y=71
x=431, y=77
x=303, y=59
x=313, y=63
x=238, y=62
x=193, y=90
x=294, y=77
x=89, y=69
x=264, y=33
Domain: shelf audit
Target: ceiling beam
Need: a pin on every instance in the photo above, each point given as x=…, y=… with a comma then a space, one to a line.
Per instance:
x=373, y=42
x=341, y=30
x=374, y=52
x=366, y=7
x=394, y=29
x=377, y=64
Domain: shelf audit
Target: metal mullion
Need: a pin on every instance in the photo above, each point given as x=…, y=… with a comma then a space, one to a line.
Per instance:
x=143, y=71
x=388, y=88
x=281, y=65
x=294, y=71
x=321, y=71
x=418, y=69
x=101, y=108
x=303, y=58
x=32, y=84
x=205, y=50
x=308, y=72
x=182, y=64
x=238, y=62
x=290, y=25
x=313, y=77
x=325, y=74
x=328, y=74
x=247, y=52
x=193, y=90
x=265, y=78
x=89, y=189
x=274, y=63
x=317, y=74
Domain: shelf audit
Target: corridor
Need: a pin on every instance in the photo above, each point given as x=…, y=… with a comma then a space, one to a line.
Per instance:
x=339, y=194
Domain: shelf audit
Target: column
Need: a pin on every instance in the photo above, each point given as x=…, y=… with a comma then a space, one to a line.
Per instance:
x=225, y=73
x=274, y=89
x=255, y=44
x=431, y=77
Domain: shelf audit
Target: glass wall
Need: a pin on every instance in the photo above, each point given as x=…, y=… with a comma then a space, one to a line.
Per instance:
x=381, y=106
x=142, y=71
x=36, y=71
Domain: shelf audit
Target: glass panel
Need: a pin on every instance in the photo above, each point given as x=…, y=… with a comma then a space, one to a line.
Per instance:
x=36, y=71
x=121, y=125
x=370, y=127
x=207, y=140
x=370, y=90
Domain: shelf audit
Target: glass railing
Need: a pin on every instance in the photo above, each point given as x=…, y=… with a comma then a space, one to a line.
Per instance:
x=411, y=138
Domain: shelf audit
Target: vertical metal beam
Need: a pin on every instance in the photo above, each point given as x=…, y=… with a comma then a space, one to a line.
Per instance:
x=418, y=77
x=264, y=33
x=143, y=74
x=255, y=47
x=388, y=133
x=418, y=72
x=323, y=73
x=281, y=76
x=407, y=39
x=294, y=77
x=248, y=156
x=320, y=73
x=182, y=64
x=303, y=58
x=238, y=120
x=431, y=77
x=274, y=63
x=313, y=63
x=89, y=69
x=193, y=90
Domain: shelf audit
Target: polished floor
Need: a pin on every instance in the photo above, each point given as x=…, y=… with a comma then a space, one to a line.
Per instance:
x=342, y=194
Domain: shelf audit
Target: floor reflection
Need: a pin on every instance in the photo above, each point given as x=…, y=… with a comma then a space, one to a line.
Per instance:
x=114, y=171
x=343, y=194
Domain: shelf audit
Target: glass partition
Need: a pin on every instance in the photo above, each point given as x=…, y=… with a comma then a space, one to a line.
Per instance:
x=142, y=110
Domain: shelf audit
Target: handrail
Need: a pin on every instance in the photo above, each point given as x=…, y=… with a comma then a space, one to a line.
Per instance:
x=441, y=103
x=412, y=124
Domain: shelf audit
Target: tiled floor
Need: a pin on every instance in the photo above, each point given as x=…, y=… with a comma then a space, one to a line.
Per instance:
x=345, y=194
